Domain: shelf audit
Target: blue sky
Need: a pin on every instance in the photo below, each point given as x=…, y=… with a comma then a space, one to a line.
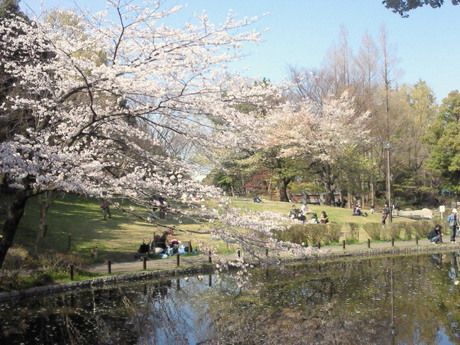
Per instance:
x=300, y=33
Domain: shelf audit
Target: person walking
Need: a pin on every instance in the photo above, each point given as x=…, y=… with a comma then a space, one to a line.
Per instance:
x=105, y=207
x=385, y=213
x=452, y=220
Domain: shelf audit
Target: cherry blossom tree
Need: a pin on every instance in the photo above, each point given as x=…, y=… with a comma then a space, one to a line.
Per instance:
x=318, y=133
x=97, y=96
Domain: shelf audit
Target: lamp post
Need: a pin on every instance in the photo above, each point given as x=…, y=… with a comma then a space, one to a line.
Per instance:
x=387, y=147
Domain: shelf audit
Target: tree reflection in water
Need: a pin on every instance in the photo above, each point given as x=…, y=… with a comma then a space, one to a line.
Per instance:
x=408, y=300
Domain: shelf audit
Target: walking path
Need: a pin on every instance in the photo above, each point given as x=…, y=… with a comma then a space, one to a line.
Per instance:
x=358, y=249
x=199, y=264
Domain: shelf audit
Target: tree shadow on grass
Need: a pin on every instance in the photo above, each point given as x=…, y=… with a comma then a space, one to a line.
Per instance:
x=81, y=222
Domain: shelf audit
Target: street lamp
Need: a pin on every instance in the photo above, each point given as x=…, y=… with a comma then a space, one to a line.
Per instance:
x=387, y=147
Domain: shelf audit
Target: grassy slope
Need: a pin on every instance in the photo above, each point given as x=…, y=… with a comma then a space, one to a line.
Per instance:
x=336, y=214
x=119, y=237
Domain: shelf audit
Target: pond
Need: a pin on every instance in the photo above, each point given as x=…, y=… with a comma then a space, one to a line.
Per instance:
x=401, y=300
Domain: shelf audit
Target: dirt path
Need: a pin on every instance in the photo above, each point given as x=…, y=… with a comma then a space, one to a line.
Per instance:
x=170, y=263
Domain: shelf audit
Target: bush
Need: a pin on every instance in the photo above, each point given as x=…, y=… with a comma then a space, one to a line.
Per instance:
x=19, y=258
x=311, y=233
x=373, y=230
x=422, y=228
x=354, y=231
x=329, y=233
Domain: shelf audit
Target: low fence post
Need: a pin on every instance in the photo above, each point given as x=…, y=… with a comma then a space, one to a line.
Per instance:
x=368, y=243
x=144, y=263
x=343, y=244
x=178, y=259
x=266, y=251
x=392, y=241
x=71, y=272
x=209, y=257
x=109, y=266
x=239, y=253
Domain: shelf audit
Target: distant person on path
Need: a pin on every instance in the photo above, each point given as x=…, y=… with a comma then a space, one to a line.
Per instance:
x=385, y=212
x=452, y=220
x=105, y=208
x=435, y=235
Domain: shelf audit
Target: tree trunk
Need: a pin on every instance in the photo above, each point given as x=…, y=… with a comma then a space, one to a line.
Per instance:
x=372, y=193
x=283, y=190
x=269, y=189
x=331, y=195
x=328, y=180
x=45, y=202
x=15, y=212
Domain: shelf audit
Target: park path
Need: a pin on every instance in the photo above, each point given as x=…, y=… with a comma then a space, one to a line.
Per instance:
x=170, y=263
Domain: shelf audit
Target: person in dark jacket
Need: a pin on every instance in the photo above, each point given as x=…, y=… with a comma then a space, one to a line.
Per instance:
x=435, y=235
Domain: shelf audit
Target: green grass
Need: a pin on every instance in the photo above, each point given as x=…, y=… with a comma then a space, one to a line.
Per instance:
x=336, y=214
x=20, y=281
x=119, y=237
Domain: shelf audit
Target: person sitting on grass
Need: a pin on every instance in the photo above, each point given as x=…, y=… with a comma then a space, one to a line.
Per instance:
x=324, y=219
x=435, y=235
x=314, y=219
x=144, y=248
x=357, y=210
x=294, y=212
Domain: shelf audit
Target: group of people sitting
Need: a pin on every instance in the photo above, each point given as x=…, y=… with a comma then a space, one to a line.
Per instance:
x=163, y=245
x=302, y=212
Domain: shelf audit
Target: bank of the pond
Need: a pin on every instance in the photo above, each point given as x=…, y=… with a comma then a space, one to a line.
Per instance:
x=102, y=281
x=167, y=268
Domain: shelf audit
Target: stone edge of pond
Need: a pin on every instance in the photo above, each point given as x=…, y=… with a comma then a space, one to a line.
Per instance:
x=101, y=282
x=209, y=268
x=376, y=252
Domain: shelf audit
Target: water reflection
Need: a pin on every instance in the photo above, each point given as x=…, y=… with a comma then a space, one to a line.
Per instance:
x=410, y=300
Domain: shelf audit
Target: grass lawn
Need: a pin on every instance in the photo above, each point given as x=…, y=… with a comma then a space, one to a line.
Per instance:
x=336, y=214
x=119, y=237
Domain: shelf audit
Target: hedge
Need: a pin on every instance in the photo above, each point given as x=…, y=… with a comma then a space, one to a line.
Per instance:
x=330, y=233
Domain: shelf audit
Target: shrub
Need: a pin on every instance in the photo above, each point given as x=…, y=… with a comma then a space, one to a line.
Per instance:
x=19, y=258
x=373, y=230
x=419, y=228
x=311, y=233
x=329, y=233
x=354, y=231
